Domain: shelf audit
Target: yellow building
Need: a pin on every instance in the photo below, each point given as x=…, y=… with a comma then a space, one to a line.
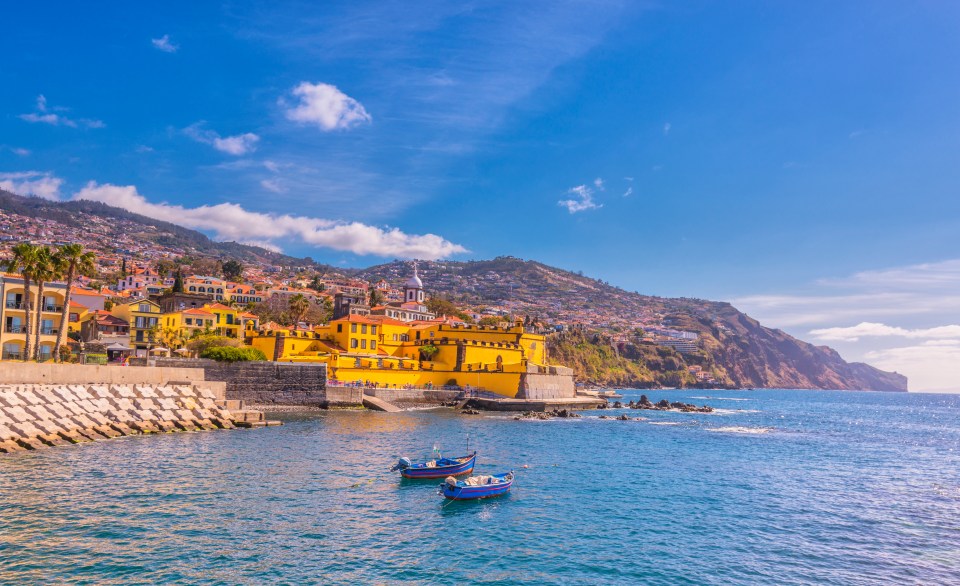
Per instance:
x=227, y=320
x=13, y=316
x=385, y=352
x=189, y=322
x=143, y=315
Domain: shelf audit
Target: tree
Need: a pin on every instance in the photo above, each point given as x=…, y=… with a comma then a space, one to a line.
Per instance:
x=23, y=261
x=73, y=262
x=172, y=338
x=299, y=305
x=233, y=270
x=178, y=281
x=123, y=268
x=376, y=297
x=200, y=344
x=46, y=269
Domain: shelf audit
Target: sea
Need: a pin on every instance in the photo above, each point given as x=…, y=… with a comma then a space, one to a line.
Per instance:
x=773, y=487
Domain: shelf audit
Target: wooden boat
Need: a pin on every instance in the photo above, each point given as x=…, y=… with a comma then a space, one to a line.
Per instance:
x=477, y=487
x=439, y=468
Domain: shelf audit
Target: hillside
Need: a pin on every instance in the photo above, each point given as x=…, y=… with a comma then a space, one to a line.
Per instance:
x=604, y=324
x=735, y=347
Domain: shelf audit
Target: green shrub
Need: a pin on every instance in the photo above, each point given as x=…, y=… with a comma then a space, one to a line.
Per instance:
x=231, y=354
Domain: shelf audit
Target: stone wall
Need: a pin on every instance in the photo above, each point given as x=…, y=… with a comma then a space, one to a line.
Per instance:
x=264, y=383
x=36, y=416
x=414, y=395
x=557, y=384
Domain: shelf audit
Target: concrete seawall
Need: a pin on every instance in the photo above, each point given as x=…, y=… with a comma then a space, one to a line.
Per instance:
x=418, y=396
x=33, y=416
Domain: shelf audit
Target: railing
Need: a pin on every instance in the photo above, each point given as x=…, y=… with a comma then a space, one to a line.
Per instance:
x=56, y=308
x=12, y=356
x=49, y=331
x=14, y=305
x=15, y=329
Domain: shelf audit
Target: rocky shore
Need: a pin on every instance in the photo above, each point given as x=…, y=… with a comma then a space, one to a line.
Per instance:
x=662, y=405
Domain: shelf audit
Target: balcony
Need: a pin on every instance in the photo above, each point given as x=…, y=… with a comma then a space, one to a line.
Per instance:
x=14, y=305
x=15, y=329
x=12, y=356
x=49, y=331
x=53, y=308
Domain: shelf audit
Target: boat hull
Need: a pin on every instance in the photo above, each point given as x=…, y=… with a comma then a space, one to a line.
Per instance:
x=470, y=493
x=440, y=471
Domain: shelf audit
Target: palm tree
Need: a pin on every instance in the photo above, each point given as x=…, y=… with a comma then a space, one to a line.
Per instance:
x=46, y=269
x=73, y=262
x=299, y=305
x=23, y=262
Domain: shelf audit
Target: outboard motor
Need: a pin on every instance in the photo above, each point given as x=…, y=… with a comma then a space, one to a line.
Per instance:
x=402, y=464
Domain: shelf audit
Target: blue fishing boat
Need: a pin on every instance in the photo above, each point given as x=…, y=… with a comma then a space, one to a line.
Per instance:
x=477, y=487
x=438, y=468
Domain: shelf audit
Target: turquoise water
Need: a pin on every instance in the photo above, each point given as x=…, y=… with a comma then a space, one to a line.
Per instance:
x=781, y=487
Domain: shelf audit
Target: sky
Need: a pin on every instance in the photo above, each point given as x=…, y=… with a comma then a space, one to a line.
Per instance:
x=799, y=159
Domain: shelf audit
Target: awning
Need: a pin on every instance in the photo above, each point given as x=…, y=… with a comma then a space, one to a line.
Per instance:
x=118, y=347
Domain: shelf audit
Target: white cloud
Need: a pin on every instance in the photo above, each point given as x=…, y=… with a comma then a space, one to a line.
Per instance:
x=931, y=366
x=20, y=152
x=164, y=44
x=666, y=129
x=35, y=183
x=919, y=298
x=582, y=202
x=598, y=183
x=871, y=329
x=326, y=106
x=272, y=185
x=237, y=145
x=229, y=221
x=628, y=192
x=240, y=144
x=43, y=115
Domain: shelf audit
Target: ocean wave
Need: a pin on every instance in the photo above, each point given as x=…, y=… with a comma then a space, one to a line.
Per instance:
x=717, y=411
x=744, y=430
x=724, y=398
x=666, y=423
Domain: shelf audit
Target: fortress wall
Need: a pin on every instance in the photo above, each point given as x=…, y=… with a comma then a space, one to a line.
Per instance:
x=264, y=382
x=535, y=386
x=34, y=416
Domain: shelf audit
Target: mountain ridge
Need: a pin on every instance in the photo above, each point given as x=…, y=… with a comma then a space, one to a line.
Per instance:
x=736, y=349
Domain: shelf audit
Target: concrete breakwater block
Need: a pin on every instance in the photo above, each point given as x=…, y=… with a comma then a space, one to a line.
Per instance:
x=41, y=415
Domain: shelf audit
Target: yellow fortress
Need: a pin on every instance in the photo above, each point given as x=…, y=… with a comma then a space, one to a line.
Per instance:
x=378, y=350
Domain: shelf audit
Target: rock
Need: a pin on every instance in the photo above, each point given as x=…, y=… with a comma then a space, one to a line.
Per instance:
x=664, y=404
x=623, y=418
x=645, y=402
x=604, y=417
x=617, y=405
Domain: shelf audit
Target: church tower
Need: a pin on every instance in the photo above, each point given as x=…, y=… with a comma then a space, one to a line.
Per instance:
x=413, y=289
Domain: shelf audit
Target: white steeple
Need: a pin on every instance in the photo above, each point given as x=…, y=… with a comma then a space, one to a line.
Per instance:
x=413, y=289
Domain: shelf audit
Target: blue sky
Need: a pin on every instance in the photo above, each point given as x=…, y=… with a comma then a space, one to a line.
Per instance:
x=798, y=159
